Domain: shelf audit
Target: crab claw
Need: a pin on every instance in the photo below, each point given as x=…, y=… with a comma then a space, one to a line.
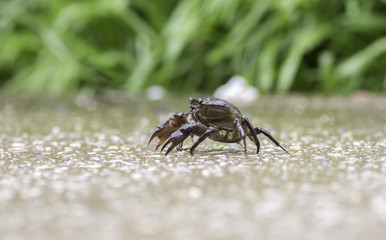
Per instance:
x=159, y=132
x=176, y=138
x=162, y=132
x=179, y=136
x=166, y=128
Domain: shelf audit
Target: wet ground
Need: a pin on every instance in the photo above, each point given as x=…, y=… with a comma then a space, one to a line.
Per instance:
x=80, y=169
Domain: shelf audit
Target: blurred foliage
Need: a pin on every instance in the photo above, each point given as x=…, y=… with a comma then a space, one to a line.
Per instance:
x=65, y=46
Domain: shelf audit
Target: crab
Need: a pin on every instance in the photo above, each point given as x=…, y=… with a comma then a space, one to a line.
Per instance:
x=212, y=118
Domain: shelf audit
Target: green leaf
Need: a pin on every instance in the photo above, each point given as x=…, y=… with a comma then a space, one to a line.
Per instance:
x=306, y=39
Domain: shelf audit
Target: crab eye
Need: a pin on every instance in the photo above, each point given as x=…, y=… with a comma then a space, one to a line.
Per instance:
x=193, y=101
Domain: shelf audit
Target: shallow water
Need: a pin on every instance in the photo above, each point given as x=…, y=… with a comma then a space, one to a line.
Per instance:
x=80, y=169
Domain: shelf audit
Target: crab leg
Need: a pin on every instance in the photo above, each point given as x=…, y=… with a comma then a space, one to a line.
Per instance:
x=206, y=134
x=240, y=129
x=268, y=135
x=253, y=133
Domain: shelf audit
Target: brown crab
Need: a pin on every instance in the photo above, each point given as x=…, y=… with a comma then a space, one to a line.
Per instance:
x=209, y=117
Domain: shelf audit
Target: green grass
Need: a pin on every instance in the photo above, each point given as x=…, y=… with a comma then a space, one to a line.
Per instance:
x=58, y=47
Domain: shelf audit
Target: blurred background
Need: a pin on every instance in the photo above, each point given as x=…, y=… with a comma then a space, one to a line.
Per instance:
x=72, y=164
x=278, y=46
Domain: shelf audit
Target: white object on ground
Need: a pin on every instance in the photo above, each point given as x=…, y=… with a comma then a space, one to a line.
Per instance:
x=155, y=92
x=237, y=90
